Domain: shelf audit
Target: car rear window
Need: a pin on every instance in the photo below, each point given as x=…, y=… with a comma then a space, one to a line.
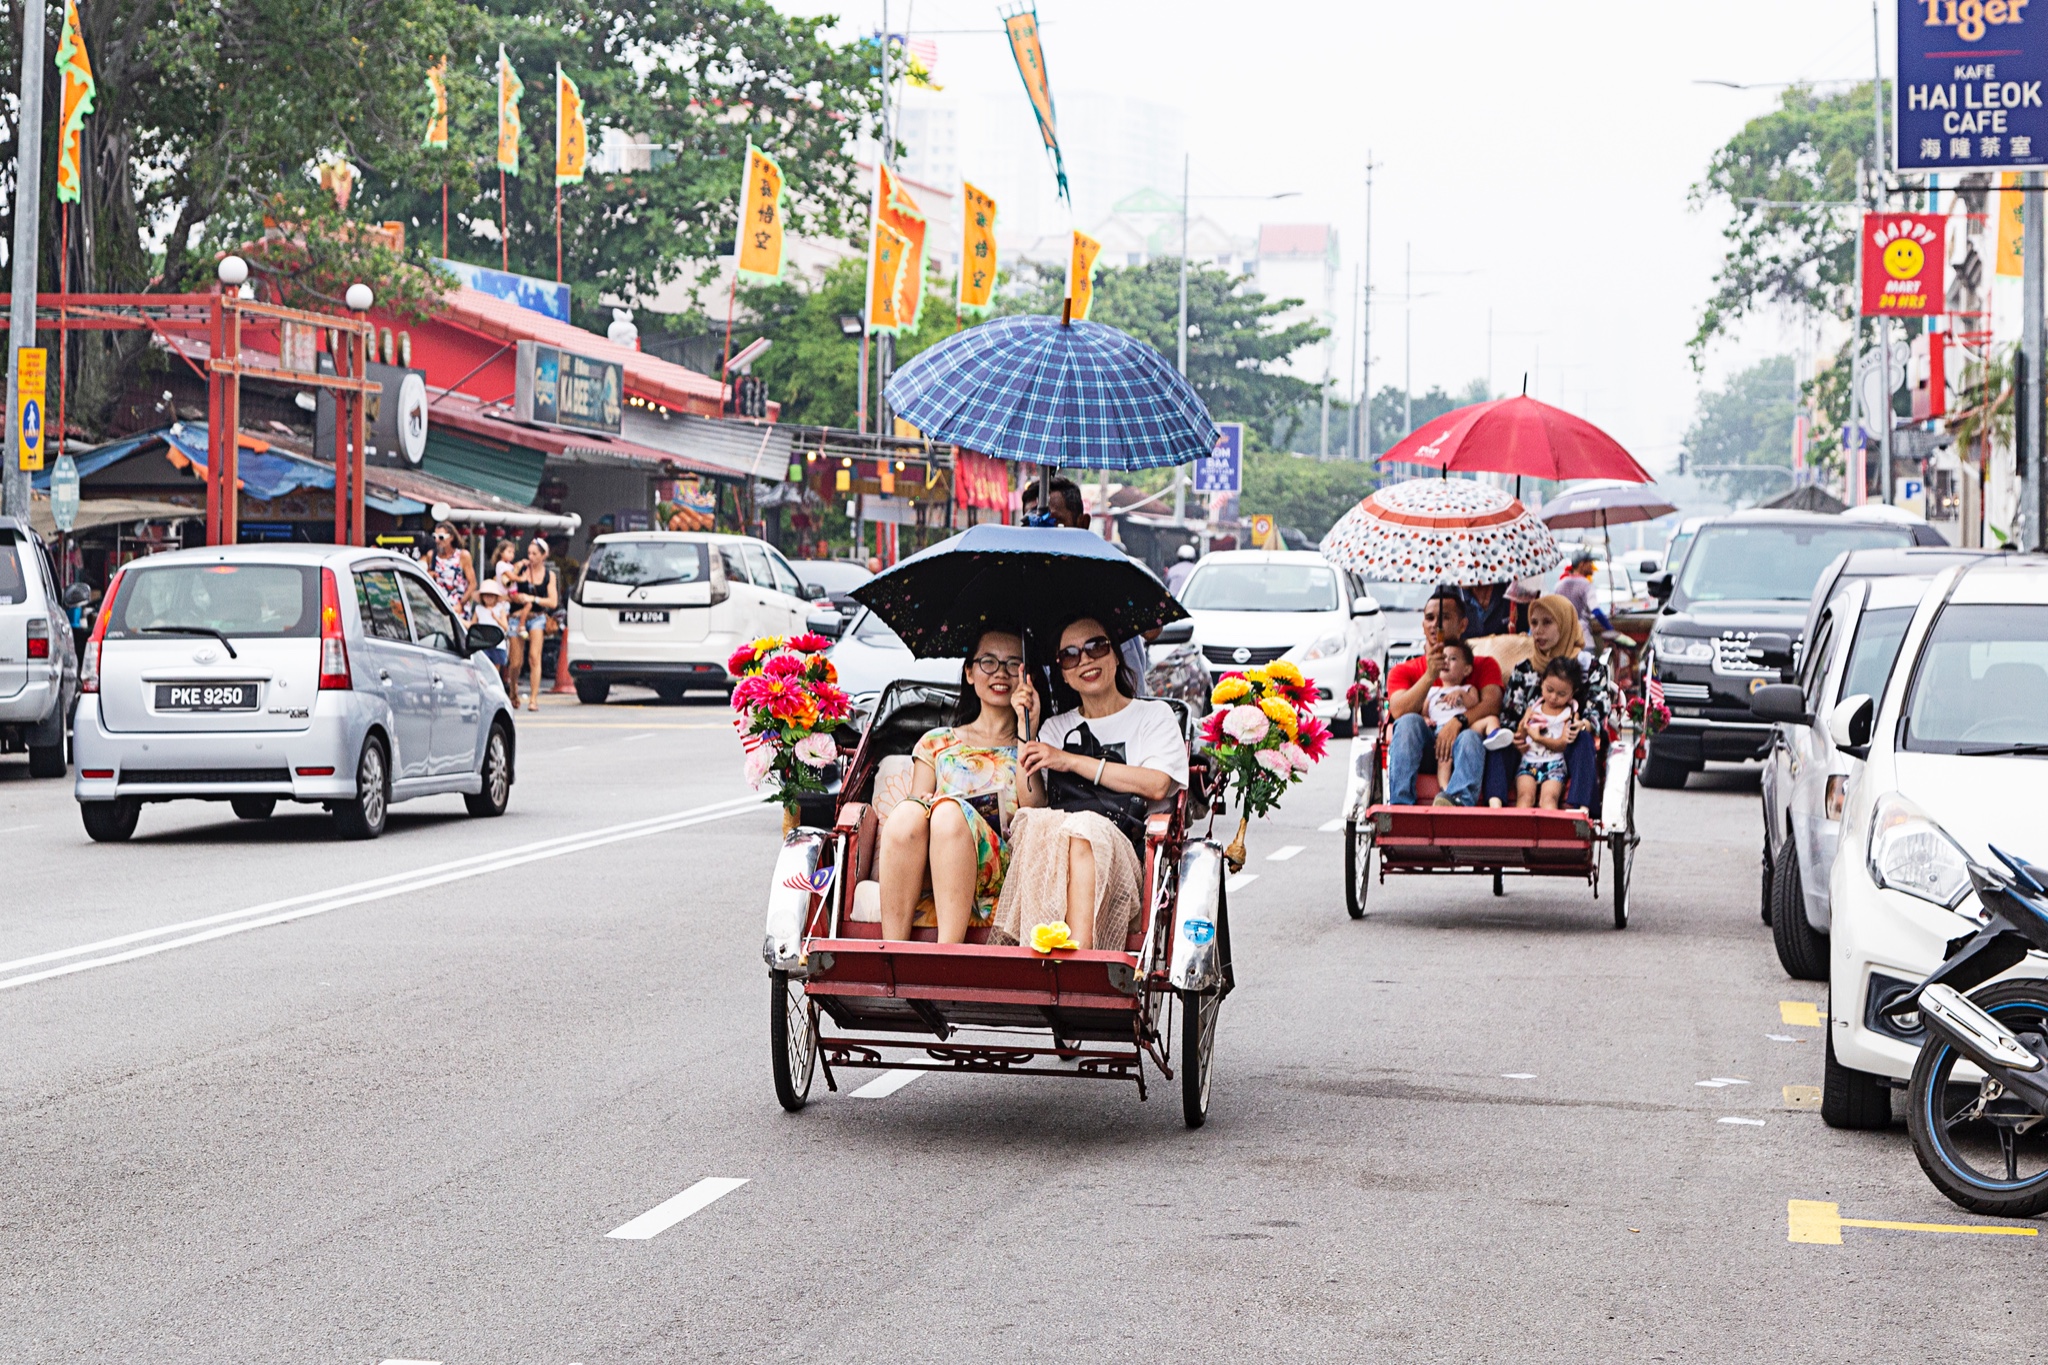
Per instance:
x=242, y=601
x=638, y=563
x=13, y=586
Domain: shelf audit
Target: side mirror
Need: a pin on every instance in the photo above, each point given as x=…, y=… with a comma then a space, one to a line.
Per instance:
x=77, y=595
x=1659, y=586
x=1647, y=566
x=813, y=593
x=1178, y=633
x=1771, y=650
x=1364, y=605
x=483, y=635
x=1849, y=724
x=1780, y=702
x=829, y=624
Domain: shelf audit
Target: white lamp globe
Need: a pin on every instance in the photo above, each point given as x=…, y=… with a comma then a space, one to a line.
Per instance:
x=231, y=271
x=359, y=297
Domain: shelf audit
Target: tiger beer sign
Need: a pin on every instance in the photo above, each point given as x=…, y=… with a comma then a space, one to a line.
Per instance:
x=1902, y=264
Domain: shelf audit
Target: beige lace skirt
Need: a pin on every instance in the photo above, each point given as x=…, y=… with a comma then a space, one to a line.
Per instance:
x=1035, y=882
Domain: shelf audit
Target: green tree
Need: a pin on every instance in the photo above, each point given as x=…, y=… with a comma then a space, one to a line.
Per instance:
x=1302, y=491
x=1390, y=407
x=1748, y=421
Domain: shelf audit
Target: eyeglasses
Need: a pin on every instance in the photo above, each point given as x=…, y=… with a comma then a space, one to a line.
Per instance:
x=990, y=665
x=1097, y=648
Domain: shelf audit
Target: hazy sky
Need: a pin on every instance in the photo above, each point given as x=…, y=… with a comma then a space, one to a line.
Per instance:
x=1545, y=146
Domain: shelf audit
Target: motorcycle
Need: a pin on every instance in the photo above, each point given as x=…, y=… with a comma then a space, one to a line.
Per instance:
x=1979, y=1091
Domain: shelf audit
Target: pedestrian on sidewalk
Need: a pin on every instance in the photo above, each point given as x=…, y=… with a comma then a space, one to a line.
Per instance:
x=536, y=591
x=452, y=569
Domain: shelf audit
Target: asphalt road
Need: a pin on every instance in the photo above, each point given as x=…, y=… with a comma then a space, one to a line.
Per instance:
x=289, y=1099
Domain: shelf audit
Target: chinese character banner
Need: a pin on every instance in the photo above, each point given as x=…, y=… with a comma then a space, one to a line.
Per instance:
x=1903, y=255
x=977, y=250
x=759, y=245
x=1969, y=86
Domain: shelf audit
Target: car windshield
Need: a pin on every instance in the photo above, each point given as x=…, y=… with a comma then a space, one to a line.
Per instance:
x=1766, y=563
x=1261, y=587
x=833, y=575
x=630, y=563
x=1876, y=648
x=1981, y=684
x=873, y=630
x=1400, y=596
x=241, y=601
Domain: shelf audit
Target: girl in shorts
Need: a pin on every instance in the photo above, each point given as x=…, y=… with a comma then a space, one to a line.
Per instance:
x=1547, y=730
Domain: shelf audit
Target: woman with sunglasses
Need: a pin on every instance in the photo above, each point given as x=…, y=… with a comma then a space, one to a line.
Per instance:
x=966, y=786
x=452, y=569
x=1078, y=865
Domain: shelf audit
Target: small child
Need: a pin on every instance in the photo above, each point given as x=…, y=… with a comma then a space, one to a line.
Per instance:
x=1549, y=727
x=491, y=608
x=1452, y=697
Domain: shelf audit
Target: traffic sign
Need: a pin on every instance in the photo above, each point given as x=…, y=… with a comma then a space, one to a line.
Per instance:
x=1222, y=470
x=64, y=492
x=30, y=365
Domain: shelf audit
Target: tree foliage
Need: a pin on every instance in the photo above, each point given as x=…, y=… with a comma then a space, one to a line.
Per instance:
x=1748, y=421
x=1390, y=407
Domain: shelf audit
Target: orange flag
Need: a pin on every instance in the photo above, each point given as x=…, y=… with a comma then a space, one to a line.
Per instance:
x=759, y=243
x=977, y=250
x=890, y=250
x=79, y=91
x=900, y=211
x=1081, y=275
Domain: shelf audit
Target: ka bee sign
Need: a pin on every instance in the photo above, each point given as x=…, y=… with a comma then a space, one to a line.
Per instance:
x=1968, y=92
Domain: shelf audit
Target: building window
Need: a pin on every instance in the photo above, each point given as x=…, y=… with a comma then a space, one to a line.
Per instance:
x=1134, y=258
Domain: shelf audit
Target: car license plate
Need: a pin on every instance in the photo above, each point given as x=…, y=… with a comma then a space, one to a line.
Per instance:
x=206, y=696
x=642, y=616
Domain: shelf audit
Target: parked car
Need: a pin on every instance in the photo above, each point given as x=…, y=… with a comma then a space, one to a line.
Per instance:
x=870, y=656
x=1255, y=606
x=1954, y=751
x=834, y=580
x=1877, y=513
x=1745, y=575
x=255, y=674
x=38, y=657
x=666, y=609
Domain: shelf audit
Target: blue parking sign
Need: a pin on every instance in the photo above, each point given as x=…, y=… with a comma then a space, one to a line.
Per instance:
x=1222, y=469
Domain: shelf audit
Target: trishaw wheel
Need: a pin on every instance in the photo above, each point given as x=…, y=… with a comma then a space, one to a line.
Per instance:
x=1198, y=1010
x=792, y=1039
x=1500, y=886
x=1357, y=867
x=1623, y=856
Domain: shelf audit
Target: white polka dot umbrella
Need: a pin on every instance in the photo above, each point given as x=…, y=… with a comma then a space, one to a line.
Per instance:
x=1441, y=531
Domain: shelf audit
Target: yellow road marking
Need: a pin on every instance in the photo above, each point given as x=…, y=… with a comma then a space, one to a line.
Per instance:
x=619, y=725
x=1802, y=1097
x=1821, y=1223
x=1803, y=1013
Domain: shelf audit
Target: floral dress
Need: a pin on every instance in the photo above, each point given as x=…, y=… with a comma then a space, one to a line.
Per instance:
x=1525, y=687
x=982, y=781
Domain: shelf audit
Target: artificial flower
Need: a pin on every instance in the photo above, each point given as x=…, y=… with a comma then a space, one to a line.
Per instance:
x=833, y=704
x=1369, y=670
x=810, y=642
x=1052, y=938
x=1302, y=694
x=1212, y=728
x=1314, y=739
x=1280, y=670
x=1260, y=677
x=1297, y=758
x=785, y=665
x=759, y=762
x=751, y=691
x=742, y=659
x=1282, y=713
x=1246, y=724
x=1228, y=691
x=817, y=750
x=1274, y=762
x=768, y=644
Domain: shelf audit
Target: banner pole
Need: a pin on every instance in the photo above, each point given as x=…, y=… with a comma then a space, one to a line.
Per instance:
x=444, y=220
x=558, y=247
x=504, y=233
x=63, y=317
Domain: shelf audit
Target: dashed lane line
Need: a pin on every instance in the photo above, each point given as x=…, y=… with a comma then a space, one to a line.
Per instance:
x=886, y=1084
x=1281, y=855
x=1240, y=881
x=1332, y=826
x=670, y=1212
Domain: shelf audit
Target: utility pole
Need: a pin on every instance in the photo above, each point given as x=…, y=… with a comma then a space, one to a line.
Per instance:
x=1408, y=340
x=1884, y=324
x=28, y=249
x=1180, y=471
x=1364, y=415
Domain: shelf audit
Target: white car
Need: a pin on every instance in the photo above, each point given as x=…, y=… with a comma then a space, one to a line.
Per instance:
x=1955, y=754
x=1254, y=606
x=666, y=609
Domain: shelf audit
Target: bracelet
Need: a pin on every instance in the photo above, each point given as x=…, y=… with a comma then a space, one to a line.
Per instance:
x=1103, y=763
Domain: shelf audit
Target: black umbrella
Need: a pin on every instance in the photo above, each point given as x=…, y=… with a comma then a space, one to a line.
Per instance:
x=1026, y=578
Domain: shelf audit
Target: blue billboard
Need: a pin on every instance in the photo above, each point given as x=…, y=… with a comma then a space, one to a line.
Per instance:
x=1222, y=469
x=545, y=297
x=1968, y=91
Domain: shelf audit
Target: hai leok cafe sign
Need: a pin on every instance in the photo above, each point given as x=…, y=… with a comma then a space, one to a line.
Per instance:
x=1968, y=93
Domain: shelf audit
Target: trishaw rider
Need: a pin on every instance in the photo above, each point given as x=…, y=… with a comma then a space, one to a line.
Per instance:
x=1415, y=744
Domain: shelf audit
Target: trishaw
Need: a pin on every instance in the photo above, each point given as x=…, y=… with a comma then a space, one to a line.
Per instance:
x=842, y=998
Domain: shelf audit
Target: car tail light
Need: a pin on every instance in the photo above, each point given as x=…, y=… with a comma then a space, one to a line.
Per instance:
x=39, y=638
x=334, y=675
x=720, y=589
x=315, y=772
x=96, y=773
x=89, y=666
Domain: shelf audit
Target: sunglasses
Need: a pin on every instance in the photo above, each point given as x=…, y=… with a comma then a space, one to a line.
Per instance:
x=1097, y=648
x=991, y=665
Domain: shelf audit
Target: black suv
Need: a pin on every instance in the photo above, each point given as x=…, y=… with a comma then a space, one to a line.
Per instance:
x=1745, y=576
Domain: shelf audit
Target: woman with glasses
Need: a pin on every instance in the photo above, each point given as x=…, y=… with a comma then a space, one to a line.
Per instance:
x=452, y=569
x=1119, y=755
x=944, y=849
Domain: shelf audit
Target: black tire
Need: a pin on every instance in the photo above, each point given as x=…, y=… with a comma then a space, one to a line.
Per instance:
x=1852, y=1099
x=670, y=692
x=1198, y=1011
x=253, y=807
x=1952, y=1149
x=1358, y=848
x=1801, y=951
x=363, y=818
x=110, y=822
x=1345, y=726
x=490, y=800
x=1764, y=892
x=1621, y=851
x=1665, y=774
x=792, y=1040
x=47, y=760
x=1500, y=883
x=592, y=691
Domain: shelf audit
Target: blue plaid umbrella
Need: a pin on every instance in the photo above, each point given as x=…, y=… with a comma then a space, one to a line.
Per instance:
x=1031, y=388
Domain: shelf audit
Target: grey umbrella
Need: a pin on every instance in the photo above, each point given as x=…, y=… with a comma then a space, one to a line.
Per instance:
x=1607, y=505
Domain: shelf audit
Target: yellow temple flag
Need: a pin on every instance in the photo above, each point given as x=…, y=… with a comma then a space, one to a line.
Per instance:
x=977, y=250
x=510, y=88
x=758, y=246
x=437, y=121
x=572, y=146
x=1022, y=28
x=1081, y=275
x=79, y=91
x=891, y=248
x=901, y=212
x=2011, y=251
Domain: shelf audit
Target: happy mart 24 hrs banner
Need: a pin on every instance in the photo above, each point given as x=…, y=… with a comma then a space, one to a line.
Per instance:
x=1902, y=264
x=1969, y=91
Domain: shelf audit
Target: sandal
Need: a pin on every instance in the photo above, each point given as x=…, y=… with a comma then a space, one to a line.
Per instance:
x=533, y=703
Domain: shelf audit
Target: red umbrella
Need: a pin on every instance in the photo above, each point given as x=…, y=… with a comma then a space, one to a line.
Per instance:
x=1518, y=436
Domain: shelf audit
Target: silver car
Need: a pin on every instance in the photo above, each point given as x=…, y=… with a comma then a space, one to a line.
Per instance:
x=38, y=664
x=255, y=674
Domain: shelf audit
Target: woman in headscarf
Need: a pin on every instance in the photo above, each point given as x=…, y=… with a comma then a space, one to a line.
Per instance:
x=1554, y=633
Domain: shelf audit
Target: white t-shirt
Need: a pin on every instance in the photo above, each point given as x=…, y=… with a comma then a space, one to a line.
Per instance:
x=1446, y=700
x=1145, y=734
x=1549, y=726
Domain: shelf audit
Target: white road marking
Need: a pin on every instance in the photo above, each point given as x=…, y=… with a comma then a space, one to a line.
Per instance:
x=628, y=739
x=1781, y=1038
x=396, y=1361
x=1237, y=883
x=1281, y=855
x=1751, y=1123
x=1332, y=826
x=1715, y=1084
x=1518, y=1075
x=358, y=893
x=886, y=1084
x=670, y=1212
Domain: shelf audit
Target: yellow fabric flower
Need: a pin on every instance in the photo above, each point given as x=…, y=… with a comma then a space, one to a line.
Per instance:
x=1259, y=676
x=1229, y=690
x=1282, y=713
x=1052, y=938
x=766, y=645
x=1284, y=671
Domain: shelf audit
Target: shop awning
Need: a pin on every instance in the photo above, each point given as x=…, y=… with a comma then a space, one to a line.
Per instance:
x=490, y=431
x=647, y=376
x=97, y=512
x=758, y=450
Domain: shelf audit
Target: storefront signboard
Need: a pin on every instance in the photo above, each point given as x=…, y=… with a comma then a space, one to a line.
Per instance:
x=558, y=388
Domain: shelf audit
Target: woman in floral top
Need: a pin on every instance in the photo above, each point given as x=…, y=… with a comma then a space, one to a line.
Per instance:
x=951, y=835
x=1554, y=634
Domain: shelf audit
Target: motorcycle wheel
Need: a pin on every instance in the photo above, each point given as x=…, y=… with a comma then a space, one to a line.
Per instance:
x=1988, y=1155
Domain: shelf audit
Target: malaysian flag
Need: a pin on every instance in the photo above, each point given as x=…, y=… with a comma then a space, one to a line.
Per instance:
x=813, y=882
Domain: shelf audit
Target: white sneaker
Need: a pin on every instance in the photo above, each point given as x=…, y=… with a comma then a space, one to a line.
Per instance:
x=1502, y=738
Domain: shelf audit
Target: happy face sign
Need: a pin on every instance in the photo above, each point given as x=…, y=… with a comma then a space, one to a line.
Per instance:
x=1903, y=255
